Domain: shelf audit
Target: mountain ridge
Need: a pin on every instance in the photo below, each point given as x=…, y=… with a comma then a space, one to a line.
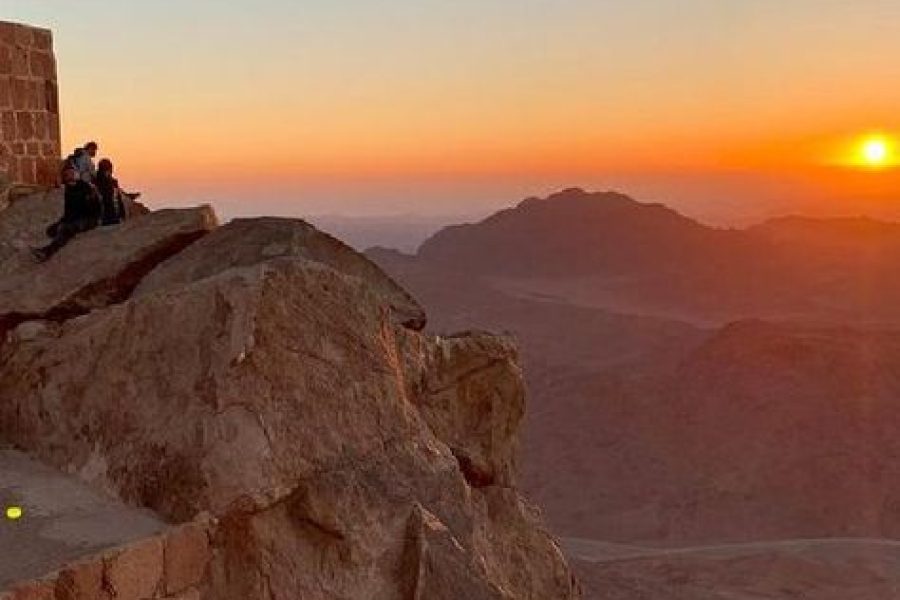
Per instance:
x=608, y=251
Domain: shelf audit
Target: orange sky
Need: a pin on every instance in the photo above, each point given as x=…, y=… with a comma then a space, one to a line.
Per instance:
x=446, y=107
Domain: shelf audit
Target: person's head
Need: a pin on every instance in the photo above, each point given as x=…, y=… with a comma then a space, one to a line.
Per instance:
x=91, y=148
x=69, y=176
x=105, y=166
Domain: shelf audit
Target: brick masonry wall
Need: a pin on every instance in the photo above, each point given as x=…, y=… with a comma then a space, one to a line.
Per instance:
x=29, y=106
x=172, y=566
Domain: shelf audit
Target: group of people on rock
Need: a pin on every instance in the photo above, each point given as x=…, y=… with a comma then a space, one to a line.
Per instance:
x=92, y=198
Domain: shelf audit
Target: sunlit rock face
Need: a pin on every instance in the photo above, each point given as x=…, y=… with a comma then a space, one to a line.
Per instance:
x=266, y=374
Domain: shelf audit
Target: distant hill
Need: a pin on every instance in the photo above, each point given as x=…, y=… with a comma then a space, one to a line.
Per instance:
x=834, y=240
x=574, y=233
x=860, y=229
x=609, y=251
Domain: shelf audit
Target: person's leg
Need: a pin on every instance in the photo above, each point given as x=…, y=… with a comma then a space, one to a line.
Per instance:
x=109, y=213
x=53, y=229
x=64, y=233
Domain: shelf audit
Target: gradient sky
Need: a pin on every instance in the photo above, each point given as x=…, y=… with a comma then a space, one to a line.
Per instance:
x=730, y=107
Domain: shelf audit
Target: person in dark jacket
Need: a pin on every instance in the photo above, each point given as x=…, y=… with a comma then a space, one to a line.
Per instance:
x=81, y=213
x=113, y=209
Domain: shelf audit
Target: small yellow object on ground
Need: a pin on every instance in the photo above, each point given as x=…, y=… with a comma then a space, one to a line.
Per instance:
x=13, y=513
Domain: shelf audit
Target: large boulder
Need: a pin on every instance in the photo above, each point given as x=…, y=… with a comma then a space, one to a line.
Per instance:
x=245, y=242
x=343, y=454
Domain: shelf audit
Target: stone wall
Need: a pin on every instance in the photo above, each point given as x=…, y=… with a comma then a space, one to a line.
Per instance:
x=173, y=565
x=29, y=106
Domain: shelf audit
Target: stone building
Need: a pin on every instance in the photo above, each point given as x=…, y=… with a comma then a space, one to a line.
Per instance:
x=29, y=106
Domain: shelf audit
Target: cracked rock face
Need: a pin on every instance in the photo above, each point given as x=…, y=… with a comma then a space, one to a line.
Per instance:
x=245, y=242
x=266, y=374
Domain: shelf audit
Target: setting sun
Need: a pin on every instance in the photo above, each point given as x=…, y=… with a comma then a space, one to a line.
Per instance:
x=876, y=152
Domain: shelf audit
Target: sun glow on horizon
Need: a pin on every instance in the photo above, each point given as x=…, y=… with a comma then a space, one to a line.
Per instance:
x=876, y=151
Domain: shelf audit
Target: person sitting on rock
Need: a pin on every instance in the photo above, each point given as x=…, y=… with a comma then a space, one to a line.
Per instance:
x=112, y=197
x=81, y=213
x=84, y=162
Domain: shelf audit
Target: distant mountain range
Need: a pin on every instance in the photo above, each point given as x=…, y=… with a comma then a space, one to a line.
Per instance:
x=606, y=250
x=403, y=232
x=688, y=385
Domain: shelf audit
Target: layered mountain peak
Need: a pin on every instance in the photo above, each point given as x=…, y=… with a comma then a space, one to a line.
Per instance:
x=570, y=232
x=573, y=202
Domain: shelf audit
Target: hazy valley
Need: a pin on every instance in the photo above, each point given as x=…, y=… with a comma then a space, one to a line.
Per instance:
x=692, y=387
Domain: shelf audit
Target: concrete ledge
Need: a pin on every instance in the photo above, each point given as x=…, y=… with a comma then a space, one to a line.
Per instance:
x=74, y=544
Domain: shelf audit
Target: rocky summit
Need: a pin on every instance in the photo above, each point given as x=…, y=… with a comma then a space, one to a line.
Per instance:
x=266, y=379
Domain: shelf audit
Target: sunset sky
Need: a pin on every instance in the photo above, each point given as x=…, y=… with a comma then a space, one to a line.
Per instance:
x=731, y=108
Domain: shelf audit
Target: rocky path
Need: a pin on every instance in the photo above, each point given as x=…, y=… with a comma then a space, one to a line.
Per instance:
x=601, y=552
x=806, y=569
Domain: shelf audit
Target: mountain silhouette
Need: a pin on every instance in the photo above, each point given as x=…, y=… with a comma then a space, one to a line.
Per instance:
x=573, y=232
x=606, y=250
